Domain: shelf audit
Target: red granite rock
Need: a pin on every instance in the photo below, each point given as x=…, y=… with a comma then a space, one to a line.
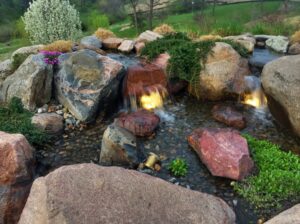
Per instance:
x=16, y=175
x=140, y=78
x=229, y=116
x=141, y=123
x=224, y=151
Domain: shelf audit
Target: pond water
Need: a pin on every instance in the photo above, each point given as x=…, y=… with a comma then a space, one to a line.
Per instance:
x=170, y=142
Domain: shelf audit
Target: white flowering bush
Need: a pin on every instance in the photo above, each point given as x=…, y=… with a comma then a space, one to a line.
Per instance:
x=49, y=20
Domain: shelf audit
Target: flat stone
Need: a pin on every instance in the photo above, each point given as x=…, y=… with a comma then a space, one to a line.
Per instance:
x=50, y=123
x=91, y=42
x=112, y=43
x=148, y=36
x=126, y=46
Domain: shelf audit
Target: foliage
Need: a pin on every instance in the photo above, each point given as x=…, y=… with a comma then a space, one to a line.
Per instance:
x=20, y=31
x=63, y=46
x=18, y=59
x=178, y=167
x=15, y=119
x=103, y=34
x=6, y=32
x=278, y=178
x=49, y=20
x=229, y=29
x=296, y=37
x=94, y=20
x=164, y=29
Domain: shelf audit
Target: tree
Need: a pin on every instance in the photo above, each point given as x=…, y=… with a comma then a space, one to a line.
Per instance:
x=49, y=20
x=151, y=4
x=134, y=4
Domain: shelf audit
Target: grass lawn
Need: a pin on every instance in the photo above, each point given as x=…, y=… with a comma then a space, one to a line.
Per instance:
x=6, y=49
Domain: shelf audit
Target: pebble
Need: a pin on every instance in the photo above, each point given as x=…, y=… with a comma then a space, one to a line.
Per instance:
x=235, y=202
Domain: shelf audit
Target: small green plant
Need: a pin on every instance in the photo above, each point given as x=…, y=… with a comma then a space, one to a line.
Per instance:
x=178, y=167
x=278, y=177
x=18, y=59
x=15, y=119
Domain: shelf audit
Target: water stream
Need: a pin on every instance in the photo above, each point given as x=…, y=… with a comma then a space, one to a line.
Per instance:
x=181, y=116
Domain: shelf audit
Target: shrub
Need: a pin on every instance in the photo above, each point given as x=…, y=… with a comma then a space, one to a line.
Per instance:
x=49, y=20
x=178, y=167
x=103, y=34
x=95, y=20
x=278, y=178
x=63, y=46
x=164, y=29
x=296, y=37
x=15, y=119
x=20, y=31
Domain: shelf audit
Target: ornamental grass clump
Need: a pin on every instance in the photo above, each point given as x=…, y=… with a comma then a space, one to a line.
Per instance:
x=164, y=29
x=63, y=46
x=278, y=177
x=47, y=21
x=296, y=37
x=103, y=34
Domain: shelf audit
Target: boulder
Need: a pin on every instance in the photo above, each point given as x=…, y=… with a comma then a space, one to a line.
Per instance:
x=88, y=193
x=91, y=42
x=141, y=123
x=112, y=43
x=16, y=175
x=281, y=80
x=224, y=151
x=223, y=74
x=88, y=83
x=246, y=40
x=290, y=216
x=31, y=82
x=118, y=148
x=141, y=78
x=278, y=43
x=229, y=116
x=148, y=36
x=139, y=47
x=162, y=61
x=6, y=69
x=20, y=55
x=50, y=123
x=126, y=46
x=294, y=49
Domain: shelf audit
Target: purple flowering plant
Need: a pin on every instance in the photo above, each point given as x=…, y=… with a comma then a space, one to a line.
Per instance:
x=51, y=57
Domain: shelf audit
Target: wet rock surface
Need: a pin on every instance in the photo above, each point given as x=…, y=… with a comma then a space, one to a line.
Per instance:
x=229, y=116
x=141, y=123
x=115, y=195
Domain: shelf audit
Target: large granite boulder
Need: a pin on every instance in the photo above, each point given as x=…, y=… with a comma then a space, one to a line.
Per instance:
x=50, y=123
x=224, y=151
x=91, y=42
x=281, y=80
x=223, y=74
x=88, y=193
x=141, y=123
x=148, y=36
x=278, y=43
x=31, y=82
x=118, y=148
x=6, y=69
x=112, y=43
x=88, y=83
x=16, y=175
x=246, y=40
x=290, y=216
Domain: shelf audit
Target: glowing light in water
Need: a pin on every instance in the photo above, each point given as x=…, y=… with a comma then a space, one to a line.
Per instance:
x=256, y=99
x=152, y=101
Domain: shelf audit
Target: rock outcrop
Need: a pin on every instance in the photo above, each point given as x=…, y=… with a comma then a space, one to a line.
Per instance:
x=278, y=43
x=223, y=74
x=6, y=69
x=31, y=82
x=224, y=151
x=281, y=81
x=16, y=175
x=88, y=83
x=88, y=193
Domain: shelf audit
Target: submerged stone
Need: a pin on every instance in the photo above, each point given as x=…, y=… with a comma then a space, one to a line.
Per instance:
x=229, y=116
